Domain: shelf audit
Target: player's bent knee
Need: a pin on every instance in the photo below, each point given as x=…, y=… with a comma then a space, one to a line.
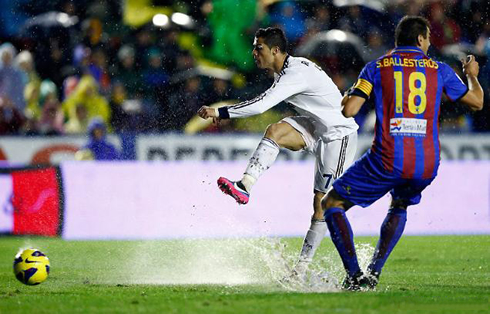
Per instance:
x=333, y=199
x=273, y=132
x=401, y=204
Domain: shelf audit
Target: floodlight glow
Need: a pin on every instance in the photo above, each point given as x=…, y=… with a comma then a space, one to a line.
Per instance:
x=63, y=18
x=160, y=20
x=181, y=19
x=339, y=35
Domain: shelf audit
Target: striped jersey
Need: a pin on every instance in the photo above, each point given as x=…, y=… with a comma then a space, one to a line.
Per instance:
x=407, y=87
x=311, y=92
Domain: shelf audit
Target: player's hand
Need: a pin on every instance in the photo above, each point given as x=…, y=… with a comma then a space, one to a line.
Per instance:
x=350, y=90
x=207, y=112
x=470, y=66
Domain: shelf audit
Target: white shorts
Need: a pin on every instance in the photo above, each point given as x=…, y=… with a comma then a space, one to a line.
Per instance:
x=331, y=158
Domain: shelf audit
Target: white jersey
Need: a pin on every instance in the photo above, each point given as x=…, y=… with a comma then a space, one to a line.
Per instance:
x=309, y=89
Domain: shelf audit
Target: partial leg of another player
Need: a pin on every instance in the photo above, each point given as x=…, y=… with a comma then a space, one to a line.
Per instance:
x=342, y=237
x=278, y=135
x=391, y=231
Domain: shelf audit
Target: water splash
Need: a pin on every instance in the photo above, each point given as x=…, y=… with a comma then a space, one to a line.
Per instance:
x=229, y=262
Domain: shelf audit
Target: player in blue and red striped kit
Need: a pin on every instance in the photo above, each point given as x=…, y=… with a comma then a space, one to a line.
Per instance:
x=407, y=88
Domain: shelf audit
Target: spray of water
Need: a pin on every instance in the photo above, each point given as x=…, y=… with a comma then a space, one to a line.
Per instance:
x=230, y=262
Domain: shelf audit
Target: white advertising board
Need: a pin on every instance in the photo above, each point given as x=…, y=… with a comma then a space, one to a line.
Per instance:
x=156, y=200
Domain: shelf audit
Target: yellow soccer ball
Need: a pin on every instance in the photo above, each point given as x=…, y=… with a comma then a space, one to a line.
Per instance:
x=31, y=267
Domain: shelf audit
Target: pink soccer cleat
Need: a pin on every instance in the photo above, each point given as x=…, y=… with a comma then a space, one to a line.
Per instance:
x=231, y=188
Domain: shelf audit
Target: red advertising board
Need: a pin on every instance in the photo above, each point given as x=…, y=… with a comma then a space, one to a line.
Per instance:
x=36, y=201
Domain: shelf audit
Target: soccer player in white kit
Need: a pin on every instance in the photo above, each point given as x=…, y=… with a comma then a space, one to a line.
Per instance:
x=320, y=128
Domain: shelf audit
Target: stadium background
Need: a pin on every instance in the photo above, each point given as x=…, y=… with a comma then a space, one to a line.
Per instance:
x=145, y=67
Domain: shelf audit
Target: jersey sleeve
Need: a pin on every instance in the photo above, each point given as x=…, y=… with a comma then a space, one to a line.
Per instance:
x=454, y=87
x=364, y=84
x=285, y=86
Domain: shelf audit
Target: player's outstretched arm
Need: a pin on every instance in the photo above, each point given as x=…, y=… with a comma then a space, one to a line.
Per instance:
x=206, y=112
x=474, y=97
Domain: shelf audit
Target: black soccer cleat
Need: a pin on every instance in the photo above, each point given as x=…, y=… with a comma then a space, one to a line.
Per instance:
x=361, y=282
x=352, y=283
x=371, y=279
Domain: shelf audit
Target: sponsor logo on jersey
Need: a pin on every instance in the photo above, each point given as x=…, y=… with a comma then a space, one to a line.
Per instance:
x=408, y=127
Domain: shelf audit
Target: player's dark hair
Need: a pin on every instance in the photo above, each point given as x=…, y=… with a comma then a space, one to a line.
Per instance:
x=273, y=37
x=408, y=30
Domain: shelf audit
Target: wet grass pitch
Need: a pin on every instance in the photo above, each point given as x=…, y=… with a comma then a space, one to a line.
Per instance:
x=432, y=274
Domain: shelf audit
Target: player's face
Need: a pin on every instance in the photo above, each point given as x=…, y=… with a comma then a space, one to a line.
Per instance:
x=262, y=54
x=425, y=42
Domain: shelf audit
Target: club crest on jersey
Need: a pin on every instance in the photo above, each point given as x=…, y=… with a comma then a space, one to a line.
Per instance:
x=408, y=127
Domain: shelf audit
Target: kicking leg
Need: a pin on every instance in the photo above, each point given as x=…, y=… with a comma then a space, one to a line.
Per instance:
x=276, y=136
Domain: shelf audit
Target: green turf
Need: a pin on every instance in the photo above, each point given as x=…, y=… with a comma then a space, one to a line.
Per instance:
x=449, y=274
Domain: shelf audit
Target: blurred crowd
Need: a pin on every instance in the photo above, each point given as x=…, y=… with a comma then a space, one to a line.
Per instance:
x=64, y=63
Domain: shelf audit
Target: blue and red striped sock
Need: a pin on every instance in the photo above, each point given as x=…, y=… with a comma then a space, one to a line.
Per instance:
x=391, y=231
x=343, y=238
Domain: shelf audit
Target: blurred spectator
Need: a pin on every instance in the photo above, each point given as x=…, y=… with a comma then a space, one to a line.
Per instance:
x=78, y=124
x=375, y=46
x=55, y=60
x=32, y=90
x=25, y=63
x=287, y=15
x=470, y=15
x=321, y=19
x=51, y=120
x=170, y=49
x=98, y=148
x=483, y=41
x=12, y=79
x=184, y=62
x=155, y=77
x=11, y=120
x=120, y=119
x=69, y=7
x=230, y=21
x=219, y=91
x=444, y=30
x=144, y=41
x=69, y=85
x=353, y=21
x=86, y=93
x=454, y=122
x=82, y=57
x=48, y=92
x=98, y=69
x=184, y=103
x=126, y=71
x=92, y=32
x=319, y=22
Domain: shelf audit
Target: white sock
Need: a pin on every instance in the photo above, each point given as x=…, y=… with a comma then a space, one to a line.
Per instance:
x=312, y=241
x=264, y=156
